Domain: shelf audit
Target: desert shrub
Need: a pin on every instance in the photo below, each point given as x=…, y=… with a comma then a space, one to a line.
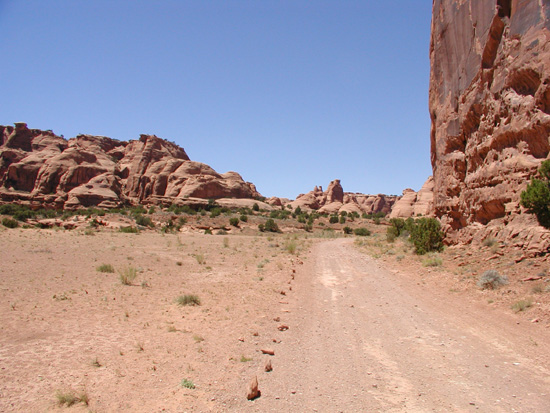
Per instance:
x=188, y=384
x=391, y=234
x=181, y=209
x=426, y=235
x=398, y=224
x=244, y=218
x=489, y=242
x=188, y=299
x=344, y=213
x=347, y=230
x=522, y=305
x=255, y=207
x=291, y=246
x=361, y=232
x=536, y=197
x=127, y=275
x=432, y=261
x=491, y=280
x=270, y=226
x=216, y=212
x=106, y=268
x=151, y=210
x=376, y=220
x=298, y=210
x=69, y=398
x=342, y=219
x=144, y=221
x=234, y=222
x=138, y=209
x=333, y=219
x=208, y=231
x=10, y=223
x=129, y=230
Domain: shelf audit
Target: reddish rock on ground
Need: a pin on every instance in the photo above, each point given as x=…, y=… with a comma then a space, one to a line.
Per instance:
x=42, y=168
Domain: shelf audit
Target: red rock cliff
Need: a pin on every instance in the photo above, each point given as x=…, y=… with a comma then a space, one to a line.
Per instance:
x=42, y=168
x=489, y=105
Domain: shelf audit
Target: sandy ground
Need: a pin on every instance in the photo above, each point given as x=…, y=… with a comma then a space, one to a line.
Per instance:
x=368, y=331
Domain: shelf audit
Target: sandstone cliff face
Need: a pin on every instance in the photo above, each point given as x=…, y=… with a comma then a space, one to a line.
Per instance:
x=335, y=200
x=415, y=204
x=489, y=105
x=40, y=167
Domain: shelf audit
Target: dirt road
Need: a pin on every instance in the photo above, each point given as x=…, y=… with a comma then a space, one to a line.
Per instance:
x=365, y=338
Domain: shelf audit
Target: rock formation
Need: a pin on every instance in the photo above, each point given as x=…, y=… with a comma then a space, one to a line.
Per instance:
x=42, y=168
x=335, y=200
x=489, y=105
x=415, y=204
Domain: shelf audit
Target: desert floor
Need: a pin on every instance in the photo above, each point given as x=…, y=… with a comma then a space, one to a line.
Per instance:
x=370, y=328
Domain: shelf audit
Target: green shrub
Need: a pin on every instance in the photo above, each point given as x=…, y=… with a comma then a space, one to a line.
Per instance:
x=243, y=218
x=391, y=234
x=234, y=222
x=491, y=280
x=10, y=223
x=255, y=207
x=398, y=224
x=347, y=230
x=188, y=299
x=188, y=384
x=269, y=226
x=536, y=197
x=144, y=221
x=333, y=219
x=426, y=235
x=361, y=232
x=342, y=219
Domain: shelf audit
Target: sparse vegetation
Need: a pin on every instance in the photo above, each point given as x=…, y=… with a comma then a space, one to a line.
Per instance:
x=108, y=268
x=188, y=384
x=129, y=230
x=291, y=246
x=491, y=280
x=432, y=260
x=361, y=232
x=188, y=299
x=522, y=305
x=234, y=222
x=127, y=275
x=10, y=223
x=489, y=242
x=200, y=258
x=70, y=398
x=245, y=359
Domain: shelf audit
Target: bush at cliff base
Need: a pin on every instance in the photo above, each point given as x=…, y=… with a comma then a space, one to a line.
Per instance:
x=536, y=197
x=426, y=235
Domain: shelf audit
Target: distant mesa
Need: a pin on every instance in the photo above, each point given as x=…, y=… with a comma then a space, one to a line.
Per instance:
x=335, y=200
x=45, y=169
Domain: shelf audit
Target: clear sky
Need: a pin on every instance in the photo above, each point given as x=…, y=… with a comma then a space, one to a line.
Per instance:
x=289, y=93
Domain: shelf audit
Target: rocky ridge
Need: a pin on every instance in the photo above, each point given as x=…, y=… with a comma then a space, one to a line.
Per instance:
x=39, y=167
x=490, y=112
x=335, y=200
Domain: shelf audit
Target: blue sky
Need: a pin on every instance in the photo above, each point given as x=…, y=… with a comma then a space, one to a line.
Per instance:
x=290, y=94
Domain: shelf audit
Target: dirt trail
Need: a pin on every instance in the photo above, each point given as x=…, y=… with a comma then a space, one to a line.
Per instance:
x=365, y=338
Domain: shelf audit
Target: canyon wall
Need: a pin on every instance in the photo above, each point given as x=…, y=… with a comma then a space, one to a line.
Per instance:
x=38, y=167
x=489, y=106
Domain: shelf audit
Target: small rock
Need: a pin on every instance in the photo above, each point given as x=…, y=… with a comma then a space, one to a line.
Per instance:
x=283, y=292
x=253, y=391
x=283, y=327
x=241, y=339
x=277, y=319
x=269, y=351
x=268, y=367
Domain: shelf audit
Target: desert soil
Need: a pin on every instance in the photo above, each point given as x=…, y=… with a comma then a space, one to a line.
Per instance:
x=364, y=334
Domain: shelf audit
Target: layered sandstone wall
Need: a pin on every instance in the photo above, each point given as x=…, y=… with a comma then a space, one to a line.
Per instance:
x=39, y=167
x=489, y=105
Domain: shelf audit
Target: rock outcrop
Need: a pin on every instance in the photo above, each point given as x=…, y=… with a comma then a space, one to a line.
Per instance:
x=489, y=105
x=415, y=204
x=335, y=200
x=42, y=168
